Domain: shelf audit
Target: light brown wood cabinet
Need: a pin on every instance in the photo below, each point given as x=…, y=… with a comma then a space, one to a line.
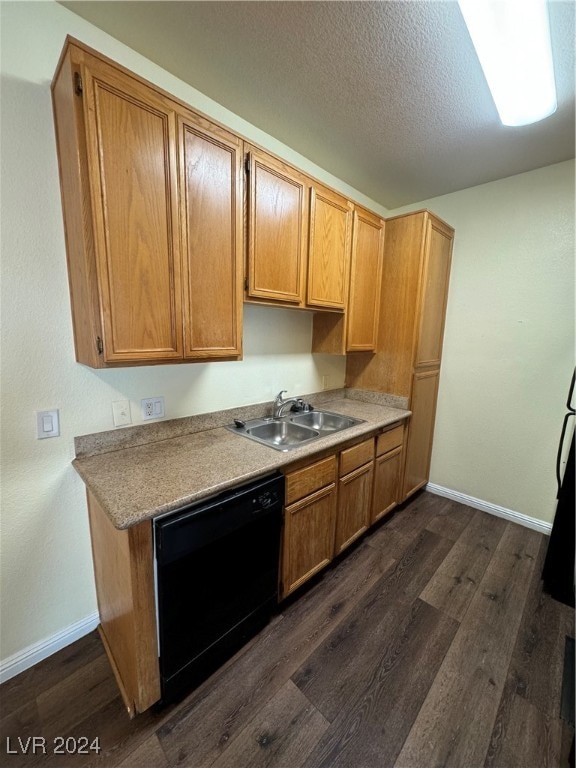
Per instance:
x=309, y=522
x=124, y=576
x=152, y=203
x=299, y=235
x=354, y=494
x=357, y=331
x=277, y=230
x=329, y=249
x=387, y=472
x=417, y=258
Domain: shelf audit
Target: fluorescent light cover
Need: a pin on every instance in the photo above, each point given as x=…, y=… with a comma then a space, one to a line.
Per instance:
x=512, y=40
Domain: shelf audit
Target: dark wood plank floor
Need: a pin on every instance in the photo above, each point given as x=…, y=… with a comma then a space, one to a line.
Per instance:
x=430, y=644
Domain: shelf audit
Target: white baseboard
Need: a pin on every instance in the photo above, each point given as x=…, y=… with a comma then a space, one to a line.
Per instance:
x=36, y=652
x=492, y=509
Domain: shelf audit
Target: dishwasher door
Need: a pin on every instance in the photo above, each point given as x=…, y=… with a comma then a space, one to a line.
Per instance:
x=217, y=579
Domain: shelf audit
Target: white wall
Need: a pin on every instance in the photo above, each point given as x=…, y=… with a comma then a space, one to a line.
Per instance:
x=47, y=581
x=509, y=339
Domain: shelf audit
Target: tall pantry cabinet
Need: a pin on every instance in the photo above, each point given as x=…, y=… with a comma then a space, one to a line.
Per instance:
x=417, y=256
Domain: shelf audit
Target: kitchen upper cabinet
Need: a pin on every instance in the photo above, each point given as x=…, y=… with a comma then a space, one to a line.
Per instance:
x=299, y=237
x=277, y=230
x=142, y=181
x=365, y=282
x=357, y=331
x=329, y=249
x=211, y=218
x=436, y=273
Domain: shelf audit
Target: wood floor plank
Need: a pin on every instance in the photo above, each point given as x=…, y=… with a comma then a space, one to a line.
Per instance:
x=538, y=660
x=456, y=580
x=410, y=519
x=48, y=673
x=69, y=702
x=454, y=725
x=392, y=542
x=522, y=736
x=148, y=754
x=450, y=519
x=200, y=730
x=331, y=672
x=373, y=722
x=283, y=732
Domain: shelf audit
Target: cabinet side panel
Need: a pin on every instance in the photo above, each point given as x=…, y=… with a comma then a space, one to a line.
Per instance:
x=77, y=212
x=212, y=227
x=122, y=603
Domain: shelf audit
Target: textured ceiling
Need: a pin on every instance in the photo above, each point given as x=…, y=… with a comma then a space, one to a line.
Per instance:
x=387, y=96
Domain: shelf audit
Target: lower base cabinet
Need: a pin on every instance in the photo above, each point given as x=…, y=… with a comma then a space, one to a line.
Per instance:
x=332, y=502
x=420, y=431
x=387, y=472
x=309, y=523
x=354, y=494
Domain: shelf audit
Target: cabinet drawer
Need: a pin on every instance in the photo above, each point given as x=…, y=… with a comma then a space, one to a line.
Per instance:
x=388, y=440
x=354, y=457
x=304, y=481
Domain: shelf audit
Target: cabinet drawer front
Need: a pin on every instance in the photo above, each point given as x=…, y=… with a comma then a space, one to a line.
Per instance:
x=356, y=456
x=388, y=440
x=305, y=481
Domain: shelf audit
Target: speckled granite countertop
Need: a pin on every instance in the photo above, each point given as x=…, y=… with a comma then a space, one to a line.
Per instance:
x=144, y=480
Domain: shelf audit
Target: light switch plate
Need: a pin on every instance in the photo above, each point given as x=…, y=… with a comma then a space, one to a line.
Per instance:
x=121, y=413
x=47, y=424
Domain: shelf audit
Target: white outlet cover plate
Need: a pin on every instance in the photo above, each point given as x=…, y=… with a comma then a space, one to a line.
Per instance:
x=121, y=413
x=152, y=408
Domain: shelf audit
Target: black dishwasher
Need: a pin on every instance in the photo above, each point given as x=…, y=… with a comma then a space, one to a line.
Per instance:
x=216, y=579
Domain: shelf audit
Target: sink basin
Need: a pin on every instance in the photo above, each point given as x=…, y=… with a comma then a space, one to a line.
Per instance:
x=294, y=429
x=281, y=434
x=324, y=421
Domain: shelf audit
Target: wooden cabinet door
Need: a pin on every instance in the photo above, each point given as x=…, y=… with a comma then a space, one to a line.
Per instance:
x=386, y=483
x=131, y=148
x=438, y=253
x=354, y=506
x=308, y=538
x=278, y=215
x=365, y=282
x=329, y=249
x=211, y=216
x=420, y=431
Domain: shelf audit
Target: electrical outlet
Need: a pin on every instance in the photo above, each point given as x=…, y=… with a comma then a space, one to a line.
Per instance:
x=121, y=413
x=152, y=408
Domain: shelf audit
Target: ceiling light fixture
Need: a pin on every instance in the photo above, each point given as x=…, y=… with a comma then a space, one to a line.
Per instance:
x=512, y=40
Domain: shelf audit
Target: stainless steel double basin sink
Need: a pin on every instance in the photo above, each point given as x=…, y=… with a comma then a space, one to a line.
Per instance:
x=293, y=430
